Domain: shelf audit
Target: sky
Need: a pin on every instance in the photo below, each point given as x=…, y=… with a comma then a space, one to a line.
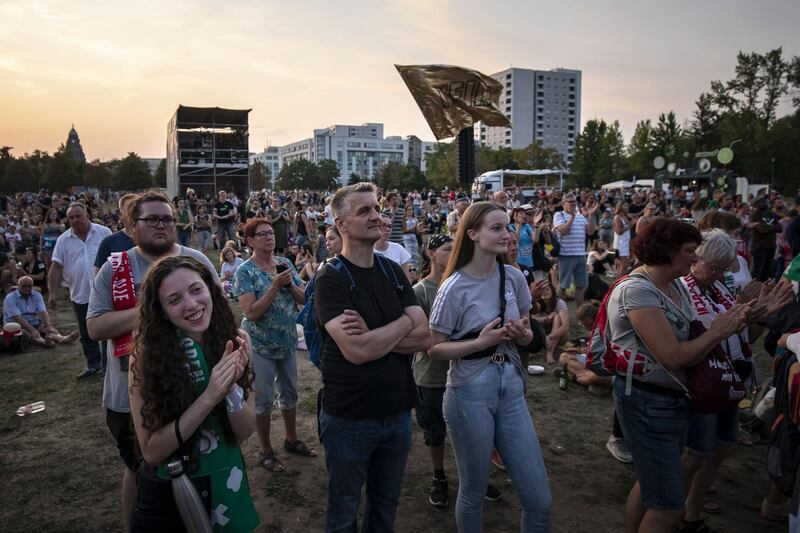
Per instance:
x=118, y=70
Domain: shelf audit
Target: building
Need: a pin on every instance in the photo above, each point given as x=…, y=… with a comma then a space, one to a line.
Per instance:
x=360, y=150
x=543, y=105
x=207, y=150
x=74, y=148
x=270, y=159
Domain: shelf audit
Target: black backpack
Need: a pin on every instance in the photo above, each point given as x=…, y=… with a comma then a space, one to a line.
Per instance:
x=783, y=450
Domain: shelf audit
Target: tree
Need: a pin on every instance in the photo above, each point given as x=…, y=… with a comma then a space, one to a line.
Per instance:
x=641, y=150
x=97, y=174
x=61, y=173
x=296, y=175
x=793, y=77
x=327, y=175
x=705, y=124
x=132, y=174
x=354, y=178
x=258, y=176
x=536, y=156
x=590, y=153
x=442, y=166
x=748, y=81
x=390, y=176
x=773, y=72
x=18, y=170
x=5, y=159
x=783, y=140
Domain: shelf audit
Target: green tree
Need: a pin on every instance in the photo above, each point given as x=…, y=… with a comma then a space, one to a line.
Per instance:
x=641, y=150
x=18, y=170
x=354, y=178
x=705, y=124
x=132, y=173
x=783, y=140
x=442, y=165
x=748, y=82
x=5, y=159
x=327, y=175
x=160, y=175
x=590, y=154
x=536, y=156
x=296, y=174
x=97, y=174
x=390, y=176
x=773, y=72
x=258, y=176
x=61, y=173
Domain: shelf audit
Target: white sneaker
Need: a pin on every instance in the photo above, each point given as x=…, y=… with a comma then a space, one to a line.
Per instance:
x=619, y=449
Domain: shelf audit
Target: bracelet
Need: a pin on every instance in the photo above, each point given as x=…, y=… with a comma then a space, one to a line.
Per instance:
x=234, y=400
x=178, y=432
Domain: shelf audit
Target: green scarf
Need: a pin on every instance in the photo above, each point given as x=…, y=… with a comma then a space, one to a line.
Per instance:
x=231, y=506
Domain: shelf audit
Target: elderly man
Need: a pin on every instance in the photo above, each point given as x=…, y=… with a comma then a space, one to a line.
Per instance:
x=73, y=264
x=500, y=199
x=573, y=227
x=454, y=218
x=26, y=307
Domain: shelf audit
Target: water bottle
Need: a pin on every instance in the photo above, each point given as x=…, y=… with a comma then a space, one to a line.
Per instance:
x=190, y=505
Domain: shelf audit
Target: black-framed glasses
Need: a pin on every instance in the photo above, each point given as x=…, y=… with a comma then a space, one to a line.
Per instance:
x=154, y=221
x=264, y=234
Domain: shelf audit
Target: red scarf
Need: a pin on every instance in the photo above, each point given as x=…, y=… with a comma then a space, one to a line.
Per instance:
x=123, y=296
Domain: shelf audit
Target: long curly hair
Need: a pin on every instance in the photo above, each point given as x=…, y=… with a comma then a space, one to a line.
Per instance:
x=167, y=387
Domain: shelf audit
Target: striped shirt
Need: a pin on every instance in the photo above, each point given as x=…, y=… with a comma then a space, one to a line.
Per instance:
x=398, y=221
x=573, y=242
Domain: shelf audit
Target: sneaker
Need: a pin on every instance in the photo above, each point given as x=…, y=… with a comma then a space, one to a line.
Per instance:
x=497, y=460
x=438, y=497
x=492, y=493
x=619, y=450
x=776, y=512
x=89, y=372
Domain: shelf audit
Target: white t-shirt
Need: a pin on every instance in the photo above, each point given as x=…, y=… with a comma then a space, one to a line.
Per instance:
x=328, y=215
x=396, y=253
x=77, y=259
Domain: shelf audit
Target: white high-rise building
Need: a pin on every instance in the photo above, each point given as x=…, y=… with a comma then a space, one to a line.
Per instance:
x=270, y=158
x=543, y=105
x=360, y=150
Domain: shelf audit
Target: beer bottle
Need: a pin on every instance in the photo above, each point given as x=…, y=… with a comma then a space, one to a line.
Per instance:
x=563, y=381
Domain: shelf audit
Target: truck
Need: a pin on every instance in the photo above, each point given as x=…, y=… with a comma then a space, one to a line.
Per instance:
x=528, y=180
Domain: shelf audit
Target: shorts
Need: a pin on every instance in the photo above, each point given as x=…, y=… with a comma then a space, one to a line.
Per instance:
x=655, y=427
x=429, y=415
x=572, y=268
x=267, y=371
x=707, y=431
x=121, y=428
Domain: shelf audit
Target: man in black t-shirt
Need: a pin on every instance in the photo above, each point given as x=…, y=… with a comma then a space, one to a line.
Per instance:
x=225, y=215
x=369, y=336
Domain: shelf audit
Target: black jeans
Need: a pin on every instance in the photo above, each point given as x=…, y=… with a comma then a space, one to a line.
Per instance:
x=91, y=349
x=762, y=263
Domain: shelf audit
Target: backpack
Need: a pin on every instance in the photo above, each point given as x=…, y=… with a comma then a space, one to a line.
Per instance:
x=307, y=318
x=783, y=450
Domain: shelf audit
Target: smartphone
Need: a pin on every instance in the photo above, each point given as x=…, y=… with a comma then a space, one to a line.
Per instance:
x=280, y=267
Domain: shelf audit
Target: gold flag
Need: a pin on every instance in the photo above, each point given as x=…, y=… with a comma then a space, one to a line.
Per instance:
x=453, y=98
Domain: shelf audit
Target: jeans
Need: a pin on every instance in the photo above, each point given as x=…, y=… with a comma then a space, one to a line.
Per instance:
x=184, y=237
x=91, y=349
x=374, y=450
x=491, y=411
x=203, y=240
x=223, y=229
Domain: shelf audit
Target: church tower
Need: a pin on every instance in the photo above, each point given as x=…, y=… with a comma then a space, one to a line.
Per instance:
x=74, y=147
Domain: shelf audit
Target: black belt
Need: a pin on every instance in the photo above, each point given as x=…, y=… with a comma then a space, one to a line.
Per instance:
x=655, y=389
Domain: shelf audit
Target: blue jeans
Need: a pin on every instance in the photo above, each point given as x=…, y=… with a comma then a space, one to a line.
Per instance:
x=374, y=450
x=491, y=411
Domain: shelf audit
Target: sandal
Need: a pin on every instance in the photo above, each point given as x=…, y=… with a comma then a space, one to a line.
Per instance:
x=297, y=447
x=270, y=462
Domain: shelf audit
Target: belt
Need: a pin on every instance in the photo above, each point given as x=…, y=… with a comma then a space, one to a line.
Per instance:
x=498, y=358
x=655, y=389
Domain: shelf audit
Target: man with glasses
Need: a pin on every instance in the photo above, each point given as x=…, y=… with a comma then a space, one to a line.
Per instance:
x=73, y=265
x=112, y=316
x=573, y=228
x=25, y=306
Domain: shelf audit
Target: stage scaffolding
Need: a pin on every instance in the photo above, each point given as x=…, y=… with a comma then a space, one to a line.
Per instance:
x=208, y=150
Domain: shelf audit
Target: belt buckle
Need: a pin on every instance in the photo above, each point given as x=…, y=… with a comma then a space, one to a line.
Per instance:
x=498, y=359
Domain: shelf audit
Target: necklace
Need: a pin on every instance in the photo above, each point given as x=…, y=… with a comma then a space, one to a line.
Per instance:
x=668, y=291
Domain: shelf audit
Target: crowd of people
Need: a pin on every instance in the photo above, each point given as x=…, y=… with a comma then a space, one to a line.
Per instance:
x=424, y=301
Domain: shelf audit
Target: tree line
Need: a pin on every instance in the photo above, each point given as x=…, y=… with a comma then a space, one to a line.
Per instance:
x=59, y=172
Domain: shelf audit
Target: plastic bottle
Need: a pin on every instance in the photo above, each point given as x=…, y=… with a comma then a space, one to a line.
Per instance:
x=190, y=505
x=31, y=408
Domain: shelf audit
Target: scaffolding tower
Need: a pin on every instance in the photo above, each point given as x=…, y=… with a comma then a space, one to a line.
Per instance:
x=208, y=151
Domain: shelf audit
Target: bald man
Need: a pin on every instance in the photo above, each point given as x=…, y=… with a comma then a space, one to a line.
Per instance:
x=26, y=307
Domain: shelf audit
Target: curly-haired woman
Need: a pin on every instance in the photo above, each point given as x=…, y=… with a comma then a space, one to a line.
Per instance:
x=190, y=397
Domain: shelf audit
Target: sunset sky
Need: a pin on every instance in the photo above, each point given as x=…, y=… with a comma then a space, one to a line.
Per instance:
x=118, y=70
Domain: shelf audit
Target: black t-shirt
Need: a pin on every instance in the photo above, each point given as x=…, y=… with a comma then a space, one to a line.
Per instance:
x=116, y=242
x=379, y=388
x=38, y=268
x=224, y=209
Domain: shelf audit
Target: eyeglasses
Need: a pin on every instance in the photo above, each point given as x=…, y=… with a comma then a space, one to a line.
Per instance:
x=264, y=234
x=24, y=286
x=154, y=221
